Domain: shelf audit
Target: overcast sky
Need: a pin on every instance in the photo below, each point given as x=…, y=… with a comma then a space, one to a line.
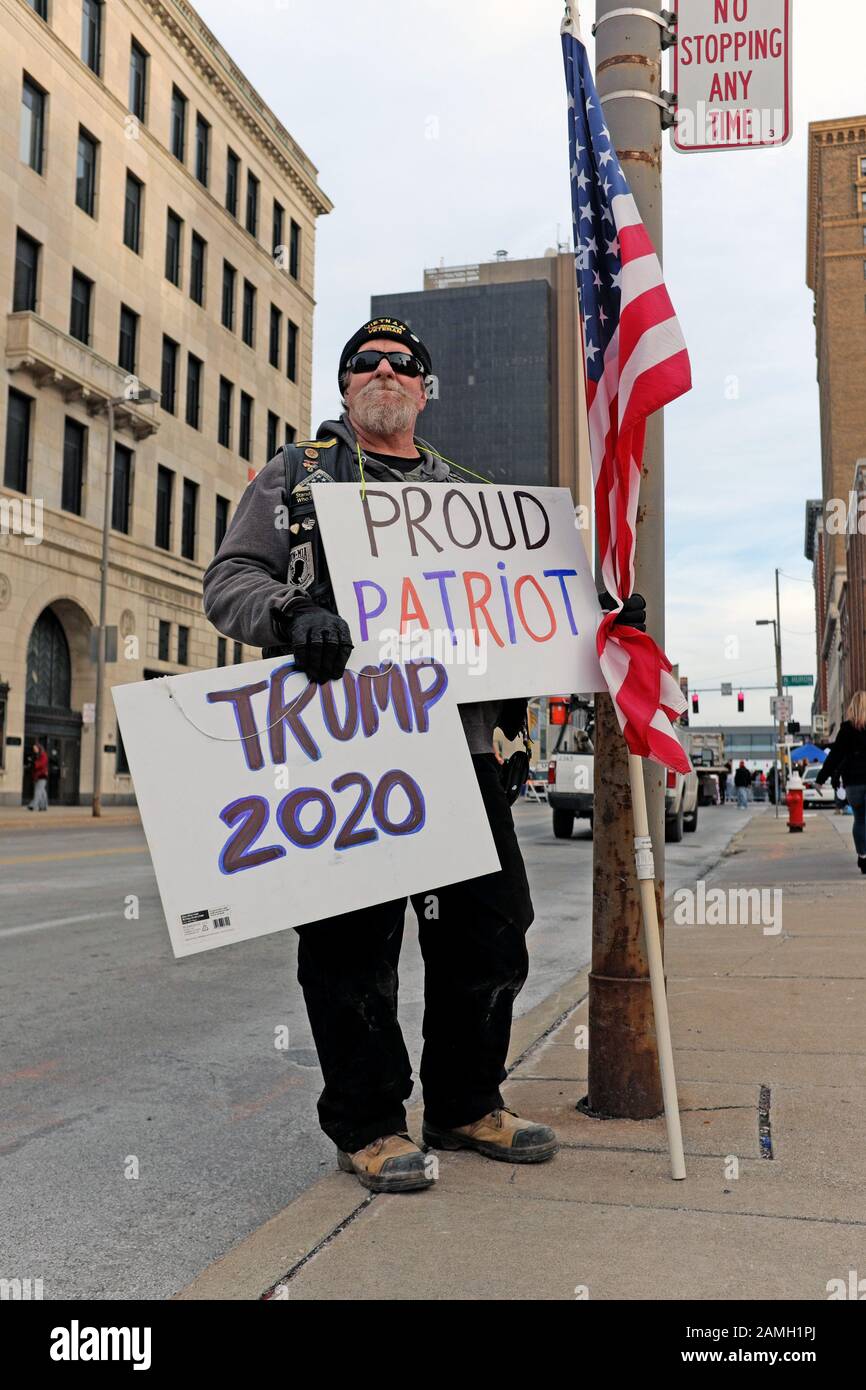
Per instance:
x=439, y=133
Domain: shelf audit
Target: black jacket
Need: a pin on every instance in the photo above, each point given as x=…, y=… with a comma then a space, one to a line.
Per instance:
x=742, y=777
x=272, y=551
x=847, y=758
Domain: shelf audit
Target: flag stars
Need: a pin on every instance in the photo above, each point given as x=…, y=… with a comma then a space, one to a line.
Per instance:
x=582, y=180
x=591, y=351
x=605, y=157
x=586, y=211
x=612, y=246
x=616, y=280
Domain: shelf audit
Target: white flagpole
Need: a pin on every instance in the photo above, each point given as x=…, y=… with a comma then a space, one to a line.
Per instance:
x=645, y=867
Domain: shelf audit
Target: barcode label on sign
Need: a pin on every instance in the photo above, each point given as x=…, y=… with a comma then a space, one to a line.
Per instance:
x=204, y=921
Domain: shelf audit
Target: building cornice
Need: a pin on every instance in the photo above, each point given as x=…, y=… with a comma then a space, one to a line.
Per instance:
x=841, y=130
x=202, y=50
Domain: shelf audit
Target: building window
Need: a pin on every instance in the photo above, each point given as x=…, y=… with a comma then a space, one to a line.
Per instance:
x=239, y=652
x=276, y=334
x=137, y=80
x=39, y=7
x=91, y=34
x=178, y=124
x=252, y=203
x=189, y=513
x=79, y=315
x=233, y=174
x=273, y=427
x=182, y=645
x=72, y=486
x=173, y=227
x=198, y=248
x=85, y=173
x=127, y=349
x=248, y=325
x=221, y=651
x=121, y=493
x=863, y=166
x=169, y=374
x=292, y=352
x=164, y=488
x=291, y=434
x=32, y=137
x=121, y=762
x=17, y=440
x=26, y=272
x=224, y=433
x=295, y=251
x=132, y=213
x=202, y=148
x=221, y=521
x=229, y=277
x=279, y=219
x=164, y=639
x=193, y=391
x=246, y=426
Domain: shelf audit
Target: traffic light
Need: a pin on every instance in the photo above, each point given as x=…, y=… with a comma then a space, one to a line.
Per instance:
x=793, y=726
x=695, y=705
x=741, y=702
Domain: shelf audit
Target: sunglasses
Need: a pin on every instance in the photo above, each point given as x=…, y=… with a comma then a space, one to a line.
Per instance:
x=403, y=363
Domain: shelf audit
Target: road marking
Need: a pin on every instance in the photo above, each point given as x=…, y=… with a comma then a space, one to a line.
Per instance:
x=54, y=922
x=72, y=854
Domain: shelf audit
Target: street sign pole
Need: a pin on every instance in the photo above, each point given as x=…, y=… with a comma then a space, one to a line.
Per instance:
x=624, y=1074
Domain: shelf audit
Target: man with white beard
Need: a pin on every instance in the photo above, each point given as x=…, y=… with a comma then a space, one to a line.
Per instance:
x=268, y=586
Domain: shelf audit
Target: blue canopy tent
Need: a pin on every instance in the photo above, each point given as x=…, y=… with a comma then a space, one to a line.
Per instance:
x=810, y=752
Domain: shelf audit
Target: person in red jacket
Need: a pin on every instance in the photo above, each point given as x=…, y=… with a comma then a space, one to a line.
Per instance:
x=40, y=779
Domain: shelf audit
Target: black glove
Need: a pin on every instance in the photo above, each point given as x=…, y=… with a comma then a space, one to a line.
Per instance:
x=319, y=641
x=633, y=612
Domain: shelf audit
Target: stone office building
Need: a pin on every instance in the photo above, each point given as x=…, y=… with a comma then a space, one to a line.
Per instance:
x=158, y=231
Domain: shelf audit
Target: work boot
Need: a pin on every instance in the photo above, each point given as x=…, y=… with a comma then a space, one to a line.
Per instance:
x=501, y=1134
x=392, y=1163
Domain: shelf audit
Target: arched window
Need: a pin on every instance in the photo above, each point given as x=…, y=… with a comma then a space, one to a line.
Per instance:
x=49, y=675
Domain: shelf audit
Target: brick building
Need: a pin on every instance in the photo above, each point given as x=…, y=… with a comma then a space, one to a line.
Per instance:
x=836, y=273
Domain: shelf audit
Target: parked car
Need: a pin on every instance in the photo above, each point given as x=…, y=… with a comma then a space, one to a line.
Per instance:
x=570, y=787
x=681, y=804
x=814, y=795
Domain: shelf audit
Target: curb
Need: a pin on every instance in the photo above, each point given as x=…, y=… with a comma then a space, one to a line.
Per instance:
x=273, y=1254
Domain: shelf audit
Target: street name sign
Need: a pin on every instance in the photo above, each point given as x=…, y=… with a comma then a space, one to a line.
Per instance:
x=798, y=680
x=732, y=75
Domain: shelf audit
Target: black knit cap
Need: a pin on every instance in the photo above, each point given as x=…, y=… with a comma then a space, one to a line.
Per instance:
x=394, y=329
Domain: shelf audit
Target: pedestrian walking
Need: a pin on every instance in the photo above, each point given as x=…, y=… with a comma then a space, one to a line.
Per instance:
x=846, y=762
x=742, y=782
x=723, y=783
x=268, y=586
x=39, y=773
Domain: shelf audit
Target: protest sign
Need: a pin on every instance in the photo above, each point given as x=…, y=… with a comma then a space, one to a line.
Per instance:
x=268, y=801
x=492, y=581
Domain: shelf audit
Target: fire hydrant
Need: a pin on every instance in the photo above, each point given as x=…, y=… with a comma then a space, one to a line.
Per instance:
x=794, y=798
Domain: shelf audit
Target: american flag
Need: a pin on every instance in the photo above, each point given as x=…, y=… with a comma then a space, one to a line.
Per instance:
x=636, y=362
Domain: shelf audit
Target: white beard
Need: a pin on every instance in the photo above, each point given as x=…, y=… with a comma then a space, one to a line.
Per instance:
x=384, y=412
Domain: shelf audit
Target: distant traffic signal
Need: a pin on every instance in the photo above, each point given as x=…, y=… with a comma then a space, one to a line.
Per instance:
x=793, y=726
x=741, y=702
x=695, y=706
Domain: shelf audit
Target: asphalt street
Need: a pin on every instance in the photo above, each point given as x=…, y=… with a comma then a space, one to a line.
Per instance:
x=148, y=1121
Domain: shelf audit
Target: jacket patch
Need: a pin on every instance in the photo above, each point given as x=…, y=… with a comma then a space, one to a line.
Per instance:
x=301, y=564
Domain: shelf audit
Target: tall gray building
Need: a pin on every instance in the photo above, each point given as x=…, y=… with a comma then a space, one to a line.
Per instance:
x=504, y=338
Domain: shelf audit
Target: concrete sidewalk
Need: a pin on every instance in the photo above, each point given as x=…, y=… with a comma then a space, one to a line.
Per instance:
x=19, y=818
x=770, y=1048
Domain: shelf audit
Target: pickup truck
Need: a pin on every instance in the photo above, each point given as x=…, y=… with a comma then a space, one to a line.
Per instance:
x=569, y=791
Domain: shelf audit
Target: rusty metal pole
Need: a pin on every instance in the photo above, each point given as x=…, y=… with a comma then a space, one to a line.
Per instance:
x=624, y=1077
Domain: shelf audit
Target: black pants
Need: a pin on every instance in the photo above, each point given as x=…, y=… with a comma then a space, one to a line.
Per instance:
x=472, y=937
